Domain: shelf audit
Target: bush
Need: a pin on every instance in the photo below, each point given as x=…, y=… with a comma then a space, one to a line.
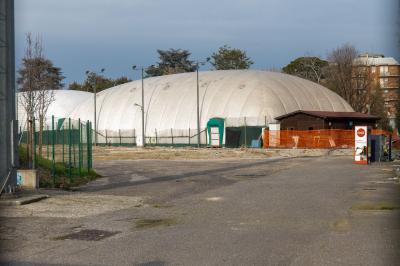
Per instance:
x=61, y=178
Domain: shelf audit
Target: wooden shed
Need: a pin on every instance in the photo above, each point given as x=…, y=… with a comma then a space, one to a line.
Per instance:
x=315, y=120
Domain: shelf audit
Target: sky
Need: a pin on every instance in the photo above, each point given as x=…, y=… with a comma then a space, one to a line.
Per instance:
x=116, y=34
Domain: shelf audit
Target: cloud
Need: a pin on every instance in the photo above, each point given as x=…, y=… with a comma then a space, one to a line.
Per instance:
x=272, y=31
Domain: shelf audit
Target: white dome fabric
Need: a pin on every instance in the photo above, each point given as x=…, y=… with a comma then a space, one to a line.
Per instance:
x=248, y=97
x=65, y=101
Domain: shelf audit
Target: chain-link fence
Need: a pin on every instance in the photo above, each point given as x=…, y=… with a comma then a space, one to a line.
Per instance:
x=65, y=145
x=171, y=137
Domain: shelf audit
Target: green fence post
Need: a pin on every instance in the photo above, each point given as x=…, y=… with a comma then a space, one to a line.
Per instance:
x=91, y=146
x=87, y=145
x=53, y=170
x=80, y=147
x=69, y=150
x=120, y=140
x=134, y=136
x=34, y=143
x=74, y=144
x=47, y=142
x=245, y=133
x=63, y=140
x=155, y=130
x=189, y=137
x=172, y=137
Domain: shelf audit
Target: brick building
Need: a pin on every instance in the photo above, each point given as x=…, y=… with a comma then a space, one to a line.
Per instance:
x=385, y=72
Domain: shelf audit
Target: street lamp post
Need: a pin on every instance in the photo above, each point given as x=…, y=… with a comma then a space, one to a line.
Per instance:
x=95, y=102
x=142, y=106
x=198, y=105
x=198, y=98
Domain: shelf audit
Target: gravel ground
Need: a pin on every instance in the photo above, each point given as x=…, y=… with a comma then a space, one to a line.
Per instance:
x=160, y=153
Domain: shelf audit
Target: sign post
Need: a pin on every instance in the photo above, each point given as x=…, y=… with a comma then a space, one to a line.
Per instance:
x=361, y=145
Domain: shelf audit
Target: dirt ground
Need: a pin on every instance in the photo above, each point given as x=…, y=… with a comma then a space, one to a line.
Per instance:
x=166, y=153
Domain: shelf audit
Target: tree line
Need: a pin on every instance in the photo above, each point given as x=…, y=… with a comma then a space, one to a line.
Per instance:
x=338, y=72
x=343, y=74
x=171, y=61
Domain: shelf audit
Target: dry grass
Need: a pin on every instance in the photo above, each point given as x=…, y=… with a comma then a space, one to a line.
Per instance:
x=150, y=223
x=381, y=206
x=159, y=153
x=186, y=153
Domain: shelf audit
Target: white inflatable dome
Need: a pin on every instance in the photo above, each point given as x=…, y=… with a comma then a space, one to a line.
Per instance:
x=65, y=102
x=238, y=96
x=241, y=97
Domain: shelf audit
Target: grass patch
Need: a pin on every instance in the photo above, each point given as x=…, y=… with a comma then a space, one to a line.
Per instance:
x=341, y=225
x=151, y=223
x=383, y=206
x=61, y=170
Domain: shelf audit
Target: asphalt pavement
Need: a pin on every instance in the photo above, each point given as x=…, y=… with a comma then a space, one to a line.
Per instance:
x=277, y=211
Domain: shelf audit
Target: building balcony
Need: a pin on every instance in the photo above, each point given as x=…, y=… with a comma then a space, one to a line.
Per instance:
x=388, y=75
x=389, y=87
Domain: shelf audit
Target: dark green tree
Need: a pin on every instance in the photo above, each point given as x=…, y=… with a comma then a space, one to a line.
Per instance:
x=100, y=81
x=230, y=58
x=172, y=61
x=307, y=67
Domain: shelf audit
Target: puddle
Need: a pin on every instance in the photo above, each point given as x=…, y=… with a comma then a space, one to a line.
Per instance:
x=87, y=235
x=151, y=223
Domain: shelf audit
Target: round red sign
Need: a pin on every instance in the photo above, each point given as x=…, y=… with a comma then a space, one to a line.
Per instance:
x=361, y=132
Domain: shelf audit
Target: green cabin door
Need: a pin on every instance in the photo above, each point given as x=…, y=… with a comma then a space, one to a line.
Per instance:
x=215, y=130
x=215, y=137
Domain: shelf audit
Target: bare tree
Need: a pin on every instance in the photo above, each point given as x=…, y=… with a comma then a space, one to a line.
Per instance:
x=351, y=81
x=30, y=94
x=38, y=79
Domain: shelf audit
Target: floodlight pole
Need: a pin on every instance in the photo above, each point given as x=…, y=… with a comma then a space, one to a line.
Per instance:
x=95, y=114
x=143, y=136
x=95, y=104
x=198, y=105
x=142, y=106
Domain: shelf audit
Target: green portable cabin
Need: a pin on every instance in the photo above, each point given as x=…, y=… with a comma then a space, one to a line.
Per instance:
x=215, y=132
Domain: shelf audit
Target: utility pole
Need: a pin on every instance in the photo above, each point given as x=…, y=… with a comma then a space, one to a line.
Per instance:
x=142, y=105
x=198, y=105
x=198, y=98
x=143, y=136
x=95, y=102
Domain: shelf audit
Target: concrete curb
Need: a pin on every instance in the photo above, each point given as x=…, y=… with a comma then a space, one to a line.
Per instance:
x=22, y=200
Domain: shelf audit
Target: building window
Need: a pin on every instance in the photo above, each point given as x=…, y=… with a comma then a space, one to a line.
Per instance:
x=384, y=82
x=373, y=69
x=384, y=70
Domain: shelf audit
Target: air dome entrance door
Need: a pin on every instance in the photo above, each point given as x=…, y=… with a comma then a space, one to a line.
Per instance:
x=215, y=130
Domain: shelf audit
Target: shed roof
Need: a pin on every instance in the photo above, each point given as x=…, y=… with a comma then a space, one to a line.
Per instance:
x=332, y=115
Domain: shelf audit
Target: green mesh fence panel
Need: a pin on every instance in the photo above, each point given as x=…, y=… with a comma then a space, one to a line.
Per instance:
x=65, y=144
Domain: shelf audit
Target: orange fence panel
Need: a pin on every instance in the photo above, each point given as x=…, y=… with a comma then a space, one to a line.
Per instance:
x=312, y=139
